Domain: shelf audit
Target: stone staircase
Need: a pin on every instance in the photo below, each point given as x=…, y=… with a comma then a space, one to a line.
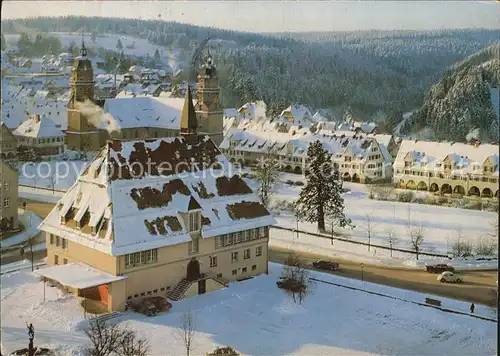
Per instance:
x=178, y=291
x=106, y=317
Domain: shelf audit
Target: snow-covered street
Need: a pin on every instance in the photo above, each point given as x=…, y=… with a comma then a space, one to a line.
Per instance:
x=257, y=318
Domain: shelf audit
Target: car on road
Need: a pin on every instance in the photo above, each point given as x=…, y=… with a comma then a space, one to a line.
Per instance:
x=326, y=265
x=449, y=277
x=439, y=268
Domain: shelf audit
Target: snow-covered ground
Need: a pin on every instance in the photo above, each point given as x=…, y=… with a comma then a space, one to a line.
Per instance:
x=30, y=222
x=441, y=224
x=42, y=195
x=257, y=318
x=59, y=175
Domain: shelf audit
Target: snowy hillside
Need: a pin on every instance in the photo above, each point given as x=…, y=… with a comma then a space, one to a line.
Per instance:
x=461, y=101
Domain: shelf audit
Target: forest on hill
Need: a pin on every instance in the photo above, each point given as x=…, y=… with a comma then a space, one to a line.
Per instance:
x=374, y=73
x=461, y=101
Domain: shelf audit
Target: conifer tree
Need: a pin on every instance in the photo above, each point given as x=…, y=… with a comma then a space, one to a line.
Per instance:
x=321, y=196
x=119, y=44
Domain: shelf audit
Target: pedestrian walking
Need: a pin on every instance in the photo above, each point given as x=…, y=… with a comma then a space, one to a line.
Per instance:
x=472, y=307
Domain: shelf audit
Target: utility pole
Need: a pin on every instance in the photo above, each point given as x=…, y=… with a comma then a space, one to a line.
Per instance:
x=31, y=247
x=362, y=277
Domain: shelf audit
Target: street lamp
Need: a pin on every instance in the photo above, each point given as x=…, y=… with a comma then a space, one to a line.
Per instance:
x=362, y=279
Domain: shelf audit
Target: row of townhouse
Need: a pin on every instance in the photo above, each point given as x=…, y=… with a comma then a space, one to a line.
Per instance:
x=357, y=157
x=448, y=168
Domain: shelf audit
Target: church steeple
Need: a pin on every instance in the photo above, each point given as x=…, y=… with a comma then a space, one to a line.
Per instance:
x=83, y=50
x=189, y=122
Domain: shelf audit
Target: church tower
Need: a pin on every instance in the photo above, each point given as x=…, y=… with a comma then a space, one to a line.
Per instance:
x=208, y=107
x=81, y=133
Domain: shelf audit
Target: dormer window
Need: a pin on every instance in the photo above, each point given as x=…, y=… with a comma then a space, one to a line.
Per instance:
x=194, y=221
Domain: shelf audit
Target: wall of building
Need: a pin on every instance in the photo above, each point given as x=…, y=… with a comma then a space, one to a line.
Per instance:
x=171, y=266
x=116, y=295
x=8, y=143
x=8, y=196
x=75, y=252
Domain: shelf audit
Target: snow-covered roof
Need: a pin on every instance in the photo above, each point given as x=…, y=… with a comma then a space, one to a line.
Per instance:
x=77, y=275
x=298, y=112
x=145, y=111
x=122, y=210
x=297, y=139
x=230, y=112
x=468, y=158
x=38, y=126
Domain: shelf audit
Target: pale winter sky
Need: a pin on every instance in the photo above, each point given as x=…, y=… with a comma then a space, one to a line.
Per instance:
x=279, y=16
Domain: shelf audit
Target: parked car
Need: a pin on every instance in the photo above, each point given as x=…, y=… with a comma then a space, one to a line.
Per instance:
x=449, y=277
x=326, y=265
x=439, y=268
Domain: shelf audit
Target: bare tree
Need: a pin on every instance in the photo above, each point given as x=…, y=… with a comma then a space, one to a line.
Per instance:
x=52, y=182
x=486, y=245
x=417, y=238
x=461, y=247
x=104, y=338
x=34, y=179
x=267, y=174
x=186, y=331
x=131, y=345
x=391, y=237
x=368, y=226
x=295, y=278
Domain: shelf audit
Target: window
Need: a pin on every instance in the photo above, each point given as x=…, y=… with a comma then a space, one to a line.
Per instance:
x=246, y=235
x=261, y=232
x=219, y=275
x=213, y=261
x=65, y=261
x=136, y=295
x=143, y=257
x=129, y=297
x=6, y=202
x=254, y=267
x=162, y=289
x=51, y=239
x=64, y=243
x=194, y=221
x=219, y=241
x=244, y=270
x=252, y=234
x=234, y=257
x=143, y=294
x=246, y=254
x=6, y=186
x=194, y=246
x=56, y=259
x=235, y=272
x=237, y=237
x=258, y=251
x=149, y=292
x=229, y=239
x=155, y=291
x=58, y=241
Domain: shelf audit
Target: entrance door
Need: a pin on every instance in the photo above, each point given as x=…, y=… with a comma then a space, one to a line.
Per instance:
x=202, y=286
x=193, y=270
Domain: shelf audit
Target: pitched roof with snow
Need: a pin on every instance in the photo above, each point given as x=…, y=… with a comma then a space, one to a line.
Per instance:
x=146, y=111
x=298, y=112
x=38, y=126
x=467, y=158
x=118, y=207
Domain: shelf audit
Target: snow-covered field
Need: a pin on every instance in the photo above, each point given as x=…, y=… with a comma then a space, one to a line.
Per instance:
x=441, y=224
x=257, y=318
x=61, y=174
